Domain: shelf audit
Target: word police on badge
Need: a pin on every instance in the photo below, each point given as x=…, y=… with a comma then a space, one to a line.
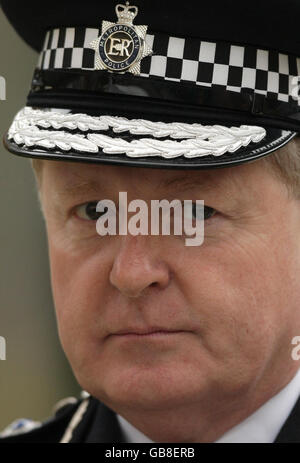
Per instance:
x=121, y=46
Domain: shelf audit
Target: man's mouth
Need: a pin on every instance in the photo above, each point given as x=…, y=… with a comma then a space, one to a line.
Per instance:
x=146, y=333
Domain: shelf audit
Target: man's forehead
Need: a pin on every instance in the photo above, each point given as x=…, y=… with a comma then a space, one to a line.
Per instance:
x=70, y=177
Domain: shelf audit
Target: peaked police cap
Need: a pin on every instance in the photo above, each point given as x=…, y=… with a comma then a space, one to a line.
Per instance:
x=162, y=84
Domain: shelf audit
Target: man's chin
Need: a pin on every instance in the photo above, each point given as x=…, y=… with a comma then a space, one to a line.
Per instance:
x=145, y=388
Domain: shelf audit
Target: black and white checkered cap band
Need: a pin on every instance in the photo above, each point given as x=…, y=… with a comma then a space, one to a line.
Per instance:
x=236, y=68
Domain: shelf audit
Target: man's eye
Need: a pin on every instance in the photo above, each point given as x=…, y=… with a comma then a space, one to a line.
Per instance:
x=88, y=211
x=202, y=211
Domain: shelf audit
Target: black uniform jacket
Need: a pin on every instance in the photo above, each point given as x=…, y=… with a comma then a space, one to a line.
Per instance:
x=96, y=423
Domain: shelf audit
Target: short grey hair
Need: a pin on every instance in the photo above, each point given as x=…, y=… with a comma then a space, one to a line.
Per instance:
x=285, y=164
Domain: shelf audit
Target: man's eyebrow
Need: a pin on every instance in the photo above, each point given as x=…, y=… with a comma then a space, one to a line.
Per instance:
x=78, y=187
x=185, y=183
x=180, y=183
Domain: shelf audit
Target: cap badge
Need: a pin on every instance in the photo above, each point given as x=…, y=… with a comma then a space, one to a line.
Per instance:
x=121, y=46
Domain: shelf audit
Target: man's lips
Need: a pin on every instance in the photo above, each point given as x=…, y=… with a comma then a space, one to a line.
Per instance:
x=146, y=332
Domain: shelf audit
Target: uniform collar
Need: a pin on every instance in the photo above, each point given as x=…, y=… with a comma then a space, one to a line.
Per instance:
x=265, y=423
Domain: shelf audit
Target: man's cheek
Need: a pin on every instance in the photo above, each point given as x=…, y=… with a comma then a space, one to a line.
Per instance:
x=62, y=267
x=68, y=281
x=74, y=305
x=229, y=279
x=77, y=282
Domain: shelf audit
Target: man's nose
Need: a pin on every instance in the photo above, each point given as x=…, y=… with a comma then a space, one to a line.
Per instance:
x=138, y=265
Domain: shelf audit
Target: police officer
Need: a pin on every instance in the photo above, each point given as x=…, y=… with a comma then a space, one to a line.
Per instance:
x=167, y=86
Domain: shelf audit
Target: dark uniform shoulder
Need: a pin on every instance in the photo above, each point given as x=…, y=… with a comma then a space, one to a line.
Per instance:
x=53, y=429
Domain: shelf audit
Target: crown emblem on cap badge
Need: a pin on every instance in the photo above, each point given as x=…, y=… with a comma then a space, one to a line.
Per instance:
x=121, y=46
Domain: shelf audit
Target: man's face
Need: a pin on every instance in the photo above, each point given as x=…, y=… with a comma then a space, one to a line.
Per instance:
x=234, y=300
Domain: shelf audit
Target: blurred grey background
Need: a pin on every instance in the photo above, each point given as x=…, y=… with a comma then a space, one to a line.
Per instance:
x=35, y=373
